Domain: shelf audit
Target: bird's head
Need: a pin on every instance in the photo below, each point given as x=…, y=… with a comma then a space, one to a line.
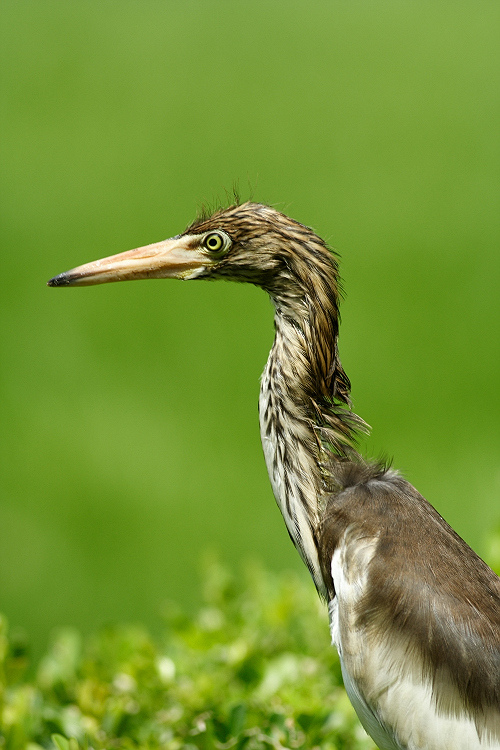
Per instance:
x=254, y=243
x=249, y=242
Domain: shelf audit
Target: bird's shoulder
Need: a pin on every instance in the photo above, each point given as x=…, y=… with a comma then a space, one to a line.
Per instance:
x=413, y=541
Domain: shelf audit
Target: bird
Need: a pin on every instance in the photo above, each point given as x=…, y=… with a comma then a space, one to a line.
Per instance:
x=414, y=612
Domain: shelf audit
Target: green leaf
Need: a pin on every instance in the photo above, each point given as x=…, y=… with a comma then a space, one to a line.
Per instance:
x=60, y=742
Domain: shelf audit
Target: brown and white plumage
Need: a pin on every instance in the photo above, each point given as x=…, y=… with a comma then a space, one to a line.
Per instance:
x=414, y=612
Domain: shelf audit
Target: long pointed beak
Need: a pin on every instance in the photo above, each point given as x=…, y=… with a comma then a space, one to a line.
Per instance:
x=176, y=258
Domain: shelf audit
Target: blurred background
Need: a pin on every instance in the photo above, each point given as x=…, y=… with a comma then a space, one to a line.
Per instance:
x=130, y=442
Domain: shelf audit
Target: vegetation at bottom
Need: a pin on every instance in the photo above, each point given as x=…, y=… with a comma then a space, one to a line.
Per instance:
x=253, y=669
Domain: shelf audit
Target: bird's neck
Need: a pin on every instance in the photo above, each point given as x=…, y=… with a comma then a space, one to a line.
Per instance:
x=306, y=427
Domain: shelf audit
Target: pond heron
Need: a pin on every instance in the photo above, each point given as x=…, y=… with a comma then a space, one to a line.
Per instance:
x=414, y=612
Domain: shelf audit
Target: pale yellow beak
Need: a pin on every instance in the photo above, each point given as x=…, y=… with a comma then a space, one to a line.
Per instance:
x=177, y=258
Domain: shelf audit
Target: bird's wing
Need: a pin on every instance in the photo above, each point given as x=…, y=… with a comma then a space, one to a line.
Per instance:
x=417, y=619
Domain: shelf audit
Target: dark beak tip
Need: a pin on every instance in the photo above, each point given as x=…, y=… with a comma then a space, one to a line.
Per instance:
x=63, y=279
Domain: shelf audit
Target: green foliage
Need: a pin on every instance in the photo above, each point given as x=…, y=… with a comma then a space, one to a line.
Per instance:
x=253, y=669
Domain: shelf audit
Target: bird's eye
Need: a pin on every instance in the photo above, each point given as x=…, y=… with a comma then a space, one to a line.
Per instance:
x=215, y=242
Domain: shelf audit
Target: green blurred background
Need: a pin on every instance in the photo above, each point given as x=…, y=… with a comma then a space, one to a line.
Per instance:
x=130, y=441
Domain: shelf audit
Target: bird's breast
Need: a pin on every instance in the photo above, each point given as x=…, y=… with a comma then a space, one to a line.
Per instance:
x=291, y=472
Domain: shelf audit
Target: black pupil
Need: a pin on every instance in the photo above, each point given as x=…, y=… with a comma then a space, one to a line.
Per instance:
x=214, y=242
